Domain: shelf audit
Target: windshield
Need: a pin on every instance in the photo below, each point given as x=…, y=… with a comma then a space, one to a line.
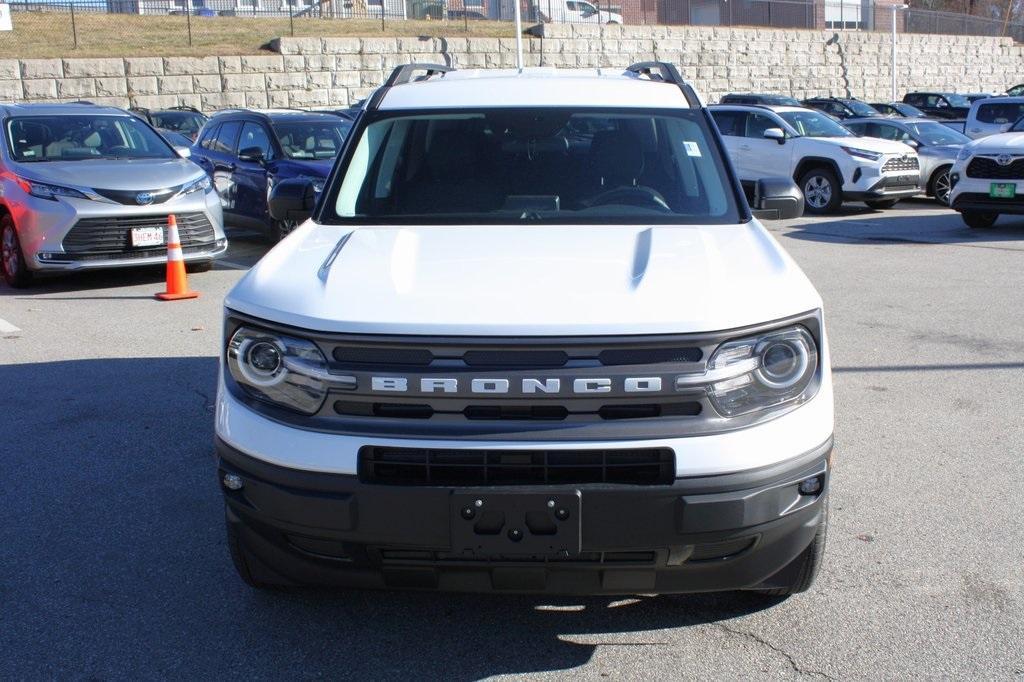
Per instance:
x=1017, y=127
x=311, y=140
x=933, y=134
x=814, y=124
x=557, y=165
x=184, y=122
x=958, y=100
x=908, y=110
x=72, y=138
x=861, y=109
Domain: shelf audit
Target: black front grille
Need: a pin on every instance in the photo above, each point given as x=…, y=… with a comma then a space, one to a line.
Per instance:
x=510, y=358
x=112, y=235
x=131, y=197
x=519, y=411
x=900, y=163
x=989, y=169
x=421, y=466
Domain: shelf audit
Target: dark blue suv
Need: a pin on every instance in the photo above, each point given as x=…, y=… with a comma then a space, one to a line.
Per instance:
x=246, y=152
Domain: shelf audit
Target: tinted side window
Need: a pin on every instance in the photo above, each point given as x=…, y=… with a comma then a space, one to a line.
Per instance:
x=889, y=132
x=757, y=124
x=209, y=137
x=255, y=135
x=227, y=135
x=858, y=128
x=730, y=123
x=916, y=100
x=1000, y=113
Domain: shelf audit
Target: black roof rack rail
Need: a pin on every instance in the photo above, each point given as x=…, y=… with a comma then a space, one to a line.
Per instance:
x=405, y=74
x=666, y=73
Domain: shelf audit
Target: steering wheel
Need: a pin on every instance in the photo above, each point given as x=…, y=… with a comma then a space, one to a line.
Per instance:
x=632, y=196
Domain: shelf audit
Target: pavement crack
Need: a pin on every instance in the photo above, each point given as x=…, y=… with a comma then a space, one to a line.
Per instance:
x=782, y=652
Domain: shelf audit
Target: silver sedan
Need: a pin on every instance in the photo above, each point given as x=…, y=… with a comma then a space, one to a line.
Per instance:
x=937, y=146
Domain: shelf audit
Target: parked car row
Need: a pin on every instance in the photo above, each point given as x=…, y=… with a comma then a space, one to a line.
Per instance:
x=85, y=186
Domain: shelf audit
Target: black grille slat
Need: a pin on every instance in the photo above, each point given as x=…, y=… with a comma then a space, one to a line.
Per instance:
x=904, y=163
x=989, y=169
x=649, y=356
x=128, y=197
x=420, y=466
x=112, y=235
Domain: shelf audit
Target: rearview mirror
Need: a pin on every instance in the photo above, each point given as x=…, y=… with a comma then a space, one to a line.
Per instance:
x=777, y=199
x=292, y=199
x=251, y=155
x=776, y=134
x=183, y=152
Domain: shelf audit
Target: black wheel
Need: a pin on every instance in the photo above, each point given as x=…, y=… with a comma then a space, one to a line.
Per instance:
x=979, y=220
x=805, y=567
x=12, y=260
x=242, y=561
x=822, y=191
x=279, y=229
x=881, y=204
x=939, y=186
x=199, y=266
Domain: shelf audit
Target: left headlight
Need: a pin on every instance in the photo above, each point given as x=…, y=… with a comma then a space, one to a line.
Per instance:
x=862, y=153
x=47, y=191
x=278, y=369
x=767, y=371
x=200, y=184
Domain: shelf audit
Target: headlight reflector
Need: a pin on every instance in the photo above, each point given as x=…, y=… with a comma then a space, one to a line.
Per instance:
x=278, y=369
x=200, y=184
x=862, y=153
x=46, y=191
x=964, y=154
x=770, y=369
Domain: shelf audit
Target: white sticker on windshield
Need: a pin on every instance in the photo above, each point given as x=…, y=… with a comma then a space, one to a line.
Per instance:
x=691, y=148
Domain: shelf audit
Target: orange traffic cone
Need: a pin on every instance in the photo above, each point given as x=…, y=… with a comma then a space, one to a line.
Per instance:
x=177, y=282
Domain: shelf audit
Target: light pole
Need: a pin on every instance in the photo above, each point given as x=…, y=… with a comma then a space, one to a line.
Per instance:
x=894, y=9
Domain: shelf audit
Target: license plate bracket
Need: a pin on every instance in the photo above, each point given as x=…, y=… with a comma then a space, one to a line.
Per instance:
x=147, y=236
x=1002, y=190
x=490, y=524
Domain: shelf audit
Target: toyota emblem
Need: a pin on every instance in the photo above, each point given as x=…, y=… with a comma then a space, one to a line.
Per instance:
x=1004, y=159
x=144, y=198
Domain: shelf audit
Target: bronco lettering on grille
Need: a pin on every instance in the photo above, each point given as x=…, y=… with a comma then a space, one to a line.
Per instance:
x=499, y=385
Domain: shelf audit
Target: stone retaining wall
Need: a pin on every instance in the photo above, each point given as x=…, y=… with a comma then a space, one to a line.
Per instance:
x=309, y=72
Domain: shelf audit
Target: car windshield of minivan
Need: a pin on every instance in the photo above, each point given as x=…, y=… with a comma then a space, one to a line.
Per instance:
x=861, y=109
x=814, y=124
x=80, y=137
x=933, y=134
x=550, y=164
x=311, y=140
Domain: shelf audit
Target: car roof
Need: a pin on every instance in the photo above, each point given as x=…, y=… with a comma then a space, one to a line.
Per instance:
x=893, y=120
x=32, y=109
x=1004, y=99
x=301, y=115
x=534, y=87
x=776, y=108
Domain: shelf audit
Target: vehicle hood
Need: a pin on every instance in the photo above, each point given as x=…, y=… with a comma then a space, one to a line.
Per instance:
x=124, y=174
x=521, y=280
x=871, y=144
x=1009, y=143
x=944, y=151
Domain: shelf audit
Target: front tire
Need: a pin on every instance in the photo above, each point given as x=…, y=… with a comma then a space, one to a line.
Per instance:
x=822, y=192
x=12, y=259
x=939, y=186
x=979, y=220
x=242, y=560
x=279, y=229
x=804, y=568
x=881, y=204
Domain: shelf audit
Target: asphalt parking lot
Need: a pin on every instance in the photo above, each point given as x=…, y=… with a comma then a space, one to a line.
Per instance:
x=113, y=561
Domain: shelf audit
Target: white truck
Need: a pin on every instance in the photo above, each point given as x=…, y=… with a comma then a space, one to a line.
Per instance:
x=530, y=338
x=575, y=12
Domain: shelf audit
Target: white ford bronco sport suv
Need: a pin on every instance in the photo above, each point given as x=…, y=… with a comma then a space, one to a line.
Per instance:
x=828, y=162
x=530, y=339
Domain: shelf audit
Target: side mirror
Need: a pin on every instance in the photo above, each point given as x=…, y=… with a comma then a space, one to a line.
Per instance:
x=776, y=134
x=777, y=199
x=911, y=143
x=184, y=152
x=292, y=199
x=251, y=155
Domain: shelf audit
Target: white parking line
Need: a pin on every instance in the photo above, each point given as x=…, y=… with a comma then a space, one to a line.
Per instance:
x=7, y=328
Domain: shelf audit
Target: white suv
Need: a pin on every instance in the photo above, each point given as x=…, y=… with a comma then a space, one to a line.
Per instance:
x=988, y=178
x=993, y=115
x=828, y=162
x=532, y=339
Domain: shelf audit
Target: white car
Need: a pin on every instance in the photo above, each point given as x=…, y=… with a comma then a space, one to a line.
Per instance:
x=829, y=163
x=993, y=115
x=575, y=12
x=531, y=339
x=988, y=179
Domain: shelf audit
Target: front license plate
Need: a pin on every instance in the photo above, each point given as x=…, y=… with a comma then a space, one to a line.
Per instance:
x=495, y=524
x=147, y=236
x=1002, y=190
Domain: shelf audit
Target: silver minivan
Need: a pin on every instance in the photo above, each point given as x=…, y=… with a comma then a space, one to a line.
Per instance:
x=993, y=115
x=84, y=186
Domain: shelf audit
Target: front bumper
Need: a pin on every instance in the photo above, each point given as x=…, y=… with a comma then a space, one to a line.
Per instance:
x=972, y=194
x=888, y=187
x=706, y=533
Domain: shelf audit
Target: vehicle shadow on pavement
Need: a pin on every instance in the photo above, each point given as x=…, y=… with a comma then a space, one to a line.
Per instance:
x=90, y=280
x=115, y=562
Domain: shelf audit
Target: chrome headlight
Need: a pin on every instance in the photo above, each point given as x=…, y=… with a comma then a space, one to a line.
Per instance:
x=764, y=371
x=200, y=184
x=862, y=153
x=46, y=191
x=278, y=369
x=965, y=153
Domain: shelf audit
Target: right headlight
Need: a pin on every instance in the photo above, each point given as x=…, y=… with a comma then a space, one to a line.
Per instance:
x=964, y=154
x=278, y=369
x=764, y=371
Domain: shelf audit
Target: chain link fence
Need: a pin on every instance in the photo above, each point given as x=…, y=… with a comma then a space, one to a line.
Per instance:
x=226, y=26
